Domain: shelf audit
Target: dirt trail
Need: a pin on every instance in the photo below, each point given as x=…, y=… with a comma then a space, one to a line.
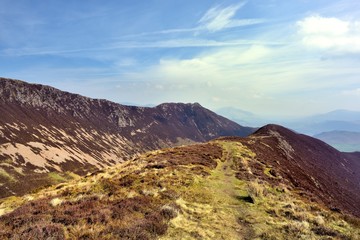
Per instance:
x=215, y=212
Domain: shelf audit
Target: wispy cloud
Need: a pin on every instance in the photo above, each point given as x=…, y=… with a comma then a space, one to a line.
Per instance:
x=215, y=19
x=189, y=42
x=219, y=18
x=171, y=43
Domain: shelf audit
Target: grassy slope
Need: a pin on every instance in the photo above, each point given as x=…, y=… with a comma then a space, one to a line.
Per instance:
x=188, y=192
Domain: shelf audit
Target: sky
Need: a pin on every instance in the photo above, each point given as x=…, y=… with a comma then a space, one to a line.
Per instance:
x=269, y=57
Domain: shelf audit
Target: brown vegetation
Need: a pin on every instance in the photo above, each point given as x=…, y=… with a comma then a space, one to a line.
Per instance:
x=133, y=201
x=226, y=189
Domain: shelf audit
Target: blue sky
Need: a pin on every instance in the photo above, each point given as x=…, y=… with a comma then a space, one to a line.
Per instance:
x=270, y=57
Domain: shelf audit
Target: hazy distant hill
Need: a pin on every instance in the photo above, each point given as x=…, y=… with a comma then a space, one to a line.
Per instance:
x=337, y=128
x=242, y=117
x=338, y=115
x=341, y=140
x=274, y=184
x=45, y=133
x=339, y=120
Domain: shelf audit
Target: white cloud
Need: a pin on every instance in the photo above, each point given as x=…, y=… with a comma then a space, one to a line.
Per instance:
x=323, y=26
x=234, y=57
x=336, y=35
x=256, y=77
x=216, y=18
x=211, y=67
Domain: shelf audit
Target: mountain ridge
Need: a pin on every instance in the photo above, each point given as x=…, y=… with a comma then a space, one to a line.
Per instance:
x=44, y=130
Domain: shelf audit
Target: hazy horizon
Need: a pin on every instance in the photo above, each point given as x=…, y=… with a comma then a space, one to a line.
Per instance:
x=271, y=58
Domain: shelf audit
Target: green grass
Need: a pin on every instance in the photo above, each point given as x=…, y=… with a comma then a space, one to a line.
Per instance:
x=56, y=177
x=7, y=161
x=5, y=176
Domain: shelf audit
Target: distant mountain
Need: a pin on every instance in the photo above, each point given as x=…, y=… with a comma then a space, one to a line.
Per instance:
x=338, y=115
x=44, y=131
x=313, y=128
x=339, y=120
x=341, y=140
x=274, y=184
x=242, y=117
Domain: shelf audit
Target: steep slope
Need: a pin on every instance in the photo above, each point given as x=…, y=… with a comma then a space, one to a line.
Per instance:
x=224, y=189
x=44, y=130
x=312, y=167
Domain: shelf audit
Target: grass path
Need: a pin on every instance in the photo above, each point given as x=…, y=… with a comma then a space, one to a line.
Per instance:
x=211, y=206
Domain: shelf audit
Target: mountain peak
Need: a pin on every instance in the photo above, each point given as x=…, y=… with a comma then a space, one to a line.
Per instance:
x=172, y=105
x=267, y=129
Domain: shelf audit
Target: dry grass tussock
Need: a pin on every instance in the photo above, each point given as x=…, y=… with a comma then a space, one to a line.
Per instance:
x=135, y=200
